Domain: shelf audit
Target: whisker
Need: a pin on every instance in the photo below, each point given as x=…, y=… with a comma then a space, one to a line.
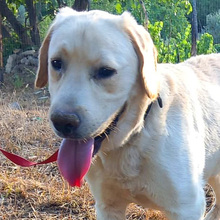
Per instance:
x=116, y=129
x=106, y=135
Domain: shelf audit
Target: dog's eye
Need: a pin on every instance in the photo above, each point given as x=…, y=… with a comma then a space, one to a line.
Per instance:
x=56, y=64
x=105, y=72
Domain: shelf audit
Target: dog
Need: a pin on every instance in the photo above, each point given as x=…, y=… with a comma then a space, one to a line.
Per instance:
x=138, y=131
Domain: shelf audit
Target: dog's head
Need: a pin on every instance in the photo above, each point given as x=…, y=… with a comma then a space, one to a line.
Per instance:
x=101, y=70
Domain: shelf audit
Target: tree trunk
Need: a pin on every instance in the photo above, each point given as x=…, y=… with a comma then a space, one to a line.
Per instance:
x=145, y=14
x=1, y=43
x=1, y=53
x=5, y=32
x=18, y=28
x=194, y=29
x=81, y=5
x=35, y=34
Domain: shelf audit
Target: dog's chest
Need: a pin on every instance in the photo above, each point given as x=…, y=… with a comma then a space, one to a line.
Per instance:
x=123, y=163
x=126, y=169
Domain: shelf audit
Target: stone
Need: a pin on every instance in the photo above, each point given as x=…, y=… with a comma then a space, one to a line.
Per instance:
x=15, y=106
x=10, y=63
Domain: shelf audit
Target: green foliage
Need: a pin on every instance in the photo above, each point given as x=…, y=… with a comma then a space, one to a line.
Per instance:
x=205, y=44
x=10, y=44
x=174, y=41
x=44, y=25
x=173, y=13
x=169, y=27
x=155, y=31
x=217, y=47
x=171, y=49
x=118, y=8
x=183, y=44
x=13, y=5
x=18, y=81
x=169, y=23
x=105, y=5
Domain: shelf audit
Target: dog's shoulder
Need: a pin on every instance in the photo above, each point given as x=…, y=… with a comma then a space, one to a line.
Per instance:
x=206, y=67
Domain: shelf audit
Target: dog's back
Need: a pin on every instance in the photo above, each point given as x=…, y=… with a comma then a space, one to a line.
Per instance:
x=201, y=76
x=207, y=68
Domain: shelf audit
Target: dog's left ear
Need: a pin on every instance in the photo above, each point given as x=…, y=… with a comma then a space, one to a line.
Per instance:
x=42, y=72
x=146, y=52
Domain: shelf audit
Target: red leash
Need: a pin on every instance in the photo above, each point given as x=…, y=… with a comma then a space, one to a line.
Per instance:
x=26, y=163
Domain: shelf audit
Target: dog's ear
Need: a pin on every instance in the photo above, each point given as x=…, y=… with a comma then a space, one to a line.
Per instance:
x=42, y=72
x=146, y=52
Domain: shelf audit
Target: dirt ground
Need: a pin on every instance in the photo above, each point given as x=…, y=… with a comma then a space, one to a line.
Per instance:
x=40, y=192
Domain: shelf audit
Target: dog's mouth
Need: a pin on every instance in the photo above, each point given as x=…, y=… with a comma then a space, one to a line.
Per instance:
x=75, y=156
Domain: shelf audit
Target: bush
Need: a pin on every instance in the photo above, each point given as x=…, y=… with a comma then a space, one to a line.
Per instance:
x=217, y=47
x=172, y=50
x=9, y=45
x=205, y=44
x=213, y=26
x=44, y=26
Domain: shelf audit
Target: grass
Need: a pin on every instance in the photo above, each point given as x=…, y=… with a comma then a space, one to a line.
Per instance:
x=40, y=192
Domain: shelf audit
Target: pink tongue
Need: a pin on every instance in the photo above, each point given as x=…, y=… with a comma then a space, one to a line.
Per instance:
x=74, y=159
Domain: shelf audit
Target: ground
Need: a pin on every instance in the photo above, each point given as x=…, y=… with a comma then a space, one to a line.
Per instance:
x=40, y=192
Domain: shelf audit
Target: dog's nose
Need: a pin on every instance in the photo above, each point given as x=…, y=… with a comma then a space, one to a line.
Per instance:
x=65, y=123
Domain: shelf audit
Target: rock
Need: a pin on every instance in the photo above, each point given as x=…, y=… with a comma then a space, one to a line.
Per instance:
x=28, y=52
x=10, y=63
x=23, y=66
x=32, y=61
x=15, y=106
x=24, y=60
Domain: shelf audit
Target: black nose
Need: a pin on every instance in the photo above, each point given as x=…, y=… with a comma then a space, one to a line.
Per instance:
x=65, y=123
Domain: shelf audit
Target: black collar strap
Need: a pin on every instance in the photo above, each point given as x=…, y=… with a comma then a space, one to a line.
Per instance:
x=101, y=137
x=160, y=103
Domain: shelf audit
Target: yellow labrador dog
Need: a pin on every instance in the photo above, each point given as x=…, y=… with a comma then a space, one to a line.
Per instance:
x=142, y=132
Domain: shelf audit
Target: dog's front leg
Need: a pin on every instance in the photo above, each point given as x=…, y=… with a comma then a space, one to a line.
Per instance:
x=111, y=200
x=111, y=203
x=110, y=212
x=192, y=209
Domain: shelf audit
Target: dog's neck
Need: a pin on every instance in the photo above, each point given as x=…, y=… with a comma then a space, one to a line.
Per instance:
x=134, y=133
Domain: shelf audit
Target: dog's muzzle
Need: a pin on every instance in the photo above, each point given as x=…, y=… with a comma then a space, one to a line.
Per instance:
x=65, y=123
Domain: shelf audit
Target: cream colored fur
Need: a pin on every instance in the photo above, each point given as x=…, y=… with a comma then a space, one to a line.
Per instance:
x=160, y=162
